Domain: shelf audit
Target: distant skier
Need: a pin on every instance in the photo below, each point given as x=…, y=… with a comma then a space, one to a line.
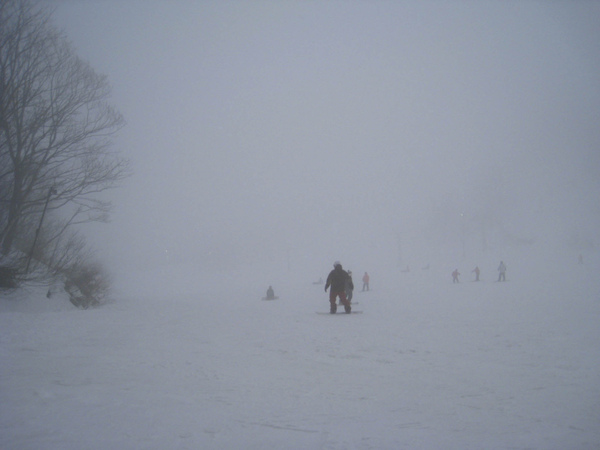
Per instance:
x=337, y=280
x=270, y=294
x=455, y=275
x=365, y=280
x=502, y=271
x=476, y=270
x=349, y=287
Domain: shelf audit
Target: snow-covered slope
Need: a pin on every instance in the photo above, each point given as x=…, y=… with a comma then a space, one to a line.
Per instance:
x=204, y=363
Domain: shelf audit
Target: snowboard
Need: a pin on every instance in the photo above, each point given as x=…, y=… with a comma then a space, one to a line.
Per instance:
x=269, y=299
x=339, y=312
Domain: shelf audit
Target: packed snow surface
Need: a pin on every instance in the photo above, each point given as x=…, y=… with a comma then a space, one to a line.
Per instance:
x=187, y=360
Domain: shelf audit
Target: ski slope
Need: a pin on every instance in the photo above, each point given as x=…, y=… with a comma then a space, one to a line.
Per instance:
x=205, y=363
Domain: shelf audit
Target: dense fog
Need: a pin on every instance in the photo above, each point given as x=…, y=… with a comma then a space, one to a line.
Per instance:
x=409, y=139
x=291, y=134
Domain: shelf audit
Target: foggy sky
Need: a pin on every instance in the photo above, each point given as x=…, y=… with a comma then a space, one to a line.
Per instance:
x=329, y=130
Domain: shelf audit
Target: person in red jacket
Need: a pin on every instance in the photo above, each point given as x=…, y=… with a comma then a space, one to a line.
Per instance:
x=337, y=280
x=365, y=282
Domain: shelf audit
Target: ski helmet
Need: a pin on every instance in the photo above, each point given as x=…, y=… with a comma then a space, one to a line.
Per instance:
x=337, y=263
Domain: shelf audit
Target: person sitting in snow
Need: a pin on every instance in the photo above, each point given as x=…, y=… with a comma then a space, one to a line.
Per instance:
x=337, y=280
x=270, y=294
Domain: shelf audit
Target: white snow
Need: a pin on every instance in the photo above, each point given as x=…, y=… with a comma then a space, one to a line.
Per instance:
x=184, y=360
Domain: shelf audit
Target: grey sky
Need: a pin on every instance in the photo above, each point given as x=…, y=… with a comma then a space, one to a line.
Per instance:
x=326, y=128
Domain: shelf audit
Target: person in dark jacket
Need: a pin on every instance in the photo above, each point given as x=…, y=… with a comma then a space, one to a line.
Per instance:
x=349, y=287
x=337, y=280
x=502, y=271
x=270, y=294
x=455, y=275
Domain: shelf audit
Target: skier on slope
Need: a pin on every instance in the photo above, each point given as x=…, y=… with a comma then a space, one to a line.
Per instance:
x=365, y=282
x=502, y=271
x=337, y=280
x=455, y=275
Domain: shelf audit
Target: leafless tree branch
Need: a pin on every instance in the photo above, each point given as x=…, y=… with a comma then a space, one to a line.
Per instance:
x=55, y=125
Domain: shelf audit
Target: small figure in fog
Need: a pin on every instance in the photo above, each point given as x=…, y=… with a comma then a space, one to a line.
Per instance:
x=502, y=271
x=365, y=280
x=349, y=287
x=455, y=275
x=270, y=293
x=476, y=270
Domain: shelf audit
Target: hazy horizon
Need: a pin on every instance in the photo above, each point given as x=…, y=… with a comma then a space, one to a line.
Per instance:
x=359, y=131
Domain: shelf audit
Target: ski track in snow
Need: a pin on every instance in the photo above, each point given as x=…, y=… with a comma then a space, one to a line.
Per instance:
x=428, y=365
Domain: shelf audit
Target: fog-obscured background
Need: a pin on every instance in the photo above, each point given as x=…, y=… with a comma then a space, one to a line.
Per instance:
x=292, y=134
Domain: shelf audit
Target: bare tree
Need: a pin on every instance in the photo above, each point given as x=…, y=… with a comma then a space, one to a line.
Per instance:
x=55, y=126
